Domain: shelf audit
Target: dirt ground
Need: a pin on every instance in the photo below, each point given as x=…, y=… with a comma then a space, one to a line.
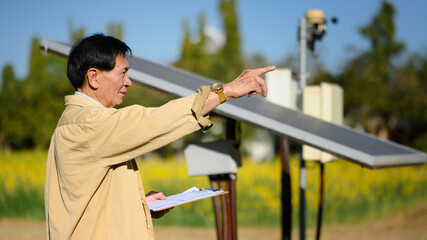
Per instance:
x=409, y=224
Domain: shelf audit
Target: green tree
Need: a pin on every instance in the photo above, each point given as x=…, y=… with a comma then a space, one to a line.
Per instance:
x=322, y=75
x=186, y=60
x=230, y=60
x=223, y=65
x=256, y=60
x=38, y=100
x=408, y=122
x=194, y=55
x=12, y=133
x=202, y=58
x=116, y=30
x=76, y=33
x=368, y=77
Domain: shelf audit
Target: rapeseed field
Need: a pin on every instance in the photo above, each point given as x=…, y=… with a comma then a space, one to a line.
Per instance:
x=352, y=193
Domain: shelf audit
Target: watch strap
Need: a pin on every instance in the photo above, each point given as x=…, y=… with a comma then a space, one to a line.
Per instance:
x=221, y=96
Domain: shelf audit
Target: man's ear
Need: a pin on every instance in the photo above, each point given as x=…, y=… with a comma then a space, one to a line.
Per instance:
x=92, y=77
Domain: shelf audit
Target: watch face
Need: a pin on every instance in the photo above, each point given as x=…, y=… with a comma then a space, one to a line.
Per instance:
x=217, y=87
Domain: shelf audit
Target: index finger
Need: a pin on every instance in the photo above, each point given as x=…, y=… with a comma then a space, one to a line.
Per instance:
x=259, y=71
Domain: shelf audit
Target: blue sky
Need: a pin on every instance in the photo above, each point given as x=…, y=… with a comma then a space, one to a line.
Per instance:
x=153, y=29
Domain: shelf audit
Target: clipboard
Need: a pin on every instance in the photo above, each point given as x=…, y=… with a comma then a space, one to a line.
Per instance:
x=191, y=195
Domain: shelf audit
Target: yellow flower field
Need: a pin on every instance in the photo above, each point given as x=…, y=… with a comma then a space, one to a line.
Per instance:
x=352, y=193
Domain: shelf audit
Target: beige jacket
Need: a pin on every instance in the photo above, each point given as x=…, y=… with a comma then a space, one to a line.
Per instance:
x=93, y=188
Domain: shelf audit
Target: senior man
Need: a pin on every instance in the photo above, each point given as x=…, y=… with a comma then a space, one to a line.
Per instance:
x=93, y=188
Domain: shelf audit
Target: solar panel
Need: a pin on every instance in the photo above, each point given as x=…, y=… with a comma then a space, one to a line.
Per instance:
x=358, y=147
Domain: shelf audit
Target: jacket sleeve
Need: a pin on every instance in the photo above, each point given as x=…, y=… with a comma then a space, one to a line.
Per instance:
x=118, y=135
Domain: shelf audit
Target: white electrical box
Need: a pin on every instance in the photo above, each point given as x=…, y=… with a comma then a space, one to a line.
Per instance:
x=324, y=102
x=282, y=89
x=212, y=158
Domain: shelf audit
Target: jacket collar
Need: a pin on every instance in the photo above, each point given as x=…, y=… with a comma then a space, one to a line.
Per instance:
x=81, y=100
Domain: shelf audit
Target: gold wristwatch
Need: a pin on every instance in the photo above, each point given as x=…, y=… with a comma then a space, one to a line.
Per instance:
x=219, y=89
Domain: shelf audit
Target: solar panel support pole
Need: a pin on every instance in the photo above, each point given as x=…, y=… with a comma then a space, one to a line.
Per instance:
x=233, y=132
x=321, y=194
x=226, y=217
x=286, y=188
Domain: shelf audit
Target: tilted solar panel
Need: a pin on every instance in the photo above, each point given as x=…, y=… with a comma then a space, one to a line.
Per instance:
x=361, y=148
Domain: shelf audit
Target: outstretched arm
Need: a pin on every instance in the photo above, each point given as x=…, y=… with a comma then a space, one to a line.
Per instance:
x=248, y=82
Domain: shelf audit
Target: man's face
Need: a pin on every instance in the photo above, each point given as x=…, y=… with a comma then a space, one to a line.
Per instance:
x=113, y=84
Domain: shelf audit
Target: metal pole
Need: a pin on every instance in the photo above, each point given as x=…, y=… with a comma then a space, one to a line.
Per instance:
x=321, y=194
x=225, y=214
x=218, y=216
x=302, y=73
x=303, y=183
x=233, y=210
x=286, y=189
x=226, y=217
x=302, y=60
x=233, y=133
